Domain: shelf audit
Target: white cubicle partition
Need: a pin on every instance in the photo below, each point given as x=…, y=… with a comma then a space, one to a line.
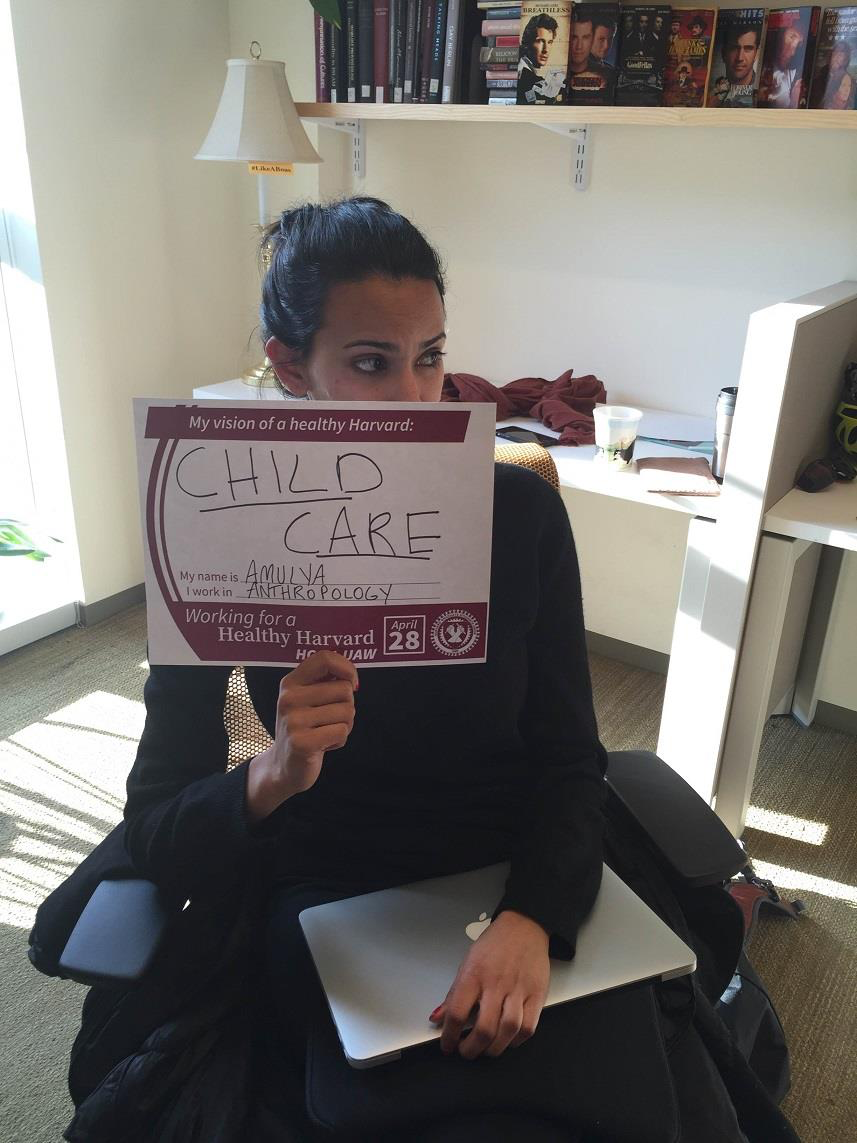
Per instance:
x=791, y=373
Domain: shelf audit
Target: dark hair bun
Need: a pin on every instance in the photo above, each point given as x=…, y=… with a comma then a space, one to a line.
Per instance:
x=313, y=247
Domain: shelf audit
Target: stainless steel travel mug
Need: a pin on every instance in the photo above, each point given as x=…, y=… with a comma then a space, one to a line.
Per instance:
x=722, y=429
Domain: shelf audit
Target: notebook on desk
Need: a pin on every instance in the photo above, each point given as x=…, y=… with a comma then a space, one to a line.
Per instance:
x=387, y=959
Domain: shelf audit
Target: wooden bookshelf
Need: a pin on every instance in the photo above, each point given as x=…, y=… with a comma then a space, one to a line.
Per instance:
x=581, y=116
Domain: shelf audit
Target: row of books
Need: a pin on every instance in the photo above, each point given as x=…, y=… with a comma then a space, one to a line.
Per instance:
x=396, y=51
x=590, y=53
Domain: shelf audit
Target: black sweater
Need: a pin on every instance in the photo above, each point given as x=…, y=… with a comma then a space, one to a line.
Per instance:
x=447, y=768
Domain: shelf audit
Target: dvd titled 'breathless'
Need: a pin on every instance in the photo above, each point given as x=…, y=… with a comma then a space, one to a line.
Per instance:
x=543, y=59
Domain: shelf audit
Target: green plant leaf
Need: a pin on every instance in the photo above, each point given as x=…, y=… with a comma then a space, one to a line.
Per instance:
x=328, y=10
x=15, y=540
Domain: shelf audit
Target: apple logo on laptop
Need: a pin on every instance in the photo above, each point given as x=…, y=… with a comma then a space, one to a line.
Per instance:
x=476, y=928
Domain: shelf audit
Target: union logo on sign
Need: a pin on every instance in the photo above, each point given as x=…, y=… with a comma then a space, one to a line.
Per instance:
x=454, y=632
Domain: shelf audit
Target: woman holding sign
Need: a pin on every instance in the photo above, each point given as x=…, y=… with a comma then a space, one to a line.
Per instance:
x=372, y=781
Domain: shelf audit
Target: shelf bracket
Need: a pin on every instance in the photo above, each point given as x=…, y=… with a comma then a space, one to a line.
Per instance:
x=356, y=128
x=581, y=154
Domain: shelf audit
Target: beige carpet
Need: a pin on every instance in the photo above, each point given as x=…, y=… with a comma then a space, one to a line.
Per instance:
x=70, y=717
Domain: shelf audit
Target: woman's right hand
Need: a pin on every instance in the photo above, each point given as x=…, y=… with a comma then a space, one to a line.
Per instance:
x=315, y=713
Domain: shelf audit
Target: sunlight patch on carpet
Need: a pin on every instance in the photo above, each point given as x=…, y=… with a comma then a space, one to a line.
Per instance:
x=785, y=878
x=62, y=790
x=787, y=825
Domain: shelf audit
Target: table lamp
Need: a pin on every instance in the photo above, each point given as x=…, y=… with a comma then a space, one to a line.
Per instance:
x=257, y=123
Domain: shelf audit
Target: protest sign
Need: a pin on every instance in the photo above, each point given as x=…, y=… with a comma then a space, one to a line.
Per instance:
x=275, y=529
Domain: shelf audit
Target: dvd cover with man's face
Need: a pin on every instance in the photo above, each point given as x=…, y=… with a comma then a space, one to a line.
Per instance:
x=736, y=62
x=688, y=56
x=789, y=53
x=593, y=54
x=643, y=55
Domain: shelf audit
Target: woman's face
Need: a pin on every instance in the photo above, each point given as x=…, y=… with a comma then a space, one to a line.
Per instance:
x=380, y=340
x=842, y=95
x=838, y=58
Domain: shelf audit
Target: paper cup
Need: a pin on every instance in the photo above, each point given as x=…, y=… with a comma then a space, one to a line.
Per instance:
x=615, y=433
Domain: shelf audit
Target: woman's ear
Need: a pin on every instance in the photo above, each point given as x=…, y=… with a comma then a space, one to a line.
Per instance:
x=287, y=367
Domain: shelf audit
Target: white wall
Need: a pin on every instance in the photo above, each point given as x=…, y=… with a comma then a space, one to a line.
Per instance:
x=647, y=278
x=145, y=252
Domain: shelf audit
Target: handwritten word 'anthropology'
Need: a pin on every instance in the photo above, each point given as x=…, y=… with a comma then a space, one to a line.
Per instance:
x=333, y=530
x=272, y=581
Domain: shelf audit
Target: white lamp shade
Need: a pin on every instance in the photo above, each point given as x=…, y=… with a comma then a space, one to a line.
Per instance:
x=256, y=119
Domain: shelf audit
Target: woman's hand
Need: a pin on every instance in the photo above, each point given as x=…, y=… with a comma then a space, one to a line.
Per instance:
x=506, y=973
x=315, y=713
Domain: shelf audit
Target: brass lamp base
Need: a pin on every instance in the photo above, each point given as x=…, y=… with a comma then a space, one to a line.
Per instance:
x=261, y=376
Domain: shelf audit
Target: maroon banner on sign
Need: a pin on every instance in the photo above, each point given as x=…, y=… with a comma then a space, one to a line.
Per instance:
x=430, y=426
x=413, y=634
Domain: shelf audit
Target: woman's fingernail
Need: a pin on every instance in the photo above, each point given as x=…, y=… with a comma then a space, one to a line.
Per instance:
x=436, y=1012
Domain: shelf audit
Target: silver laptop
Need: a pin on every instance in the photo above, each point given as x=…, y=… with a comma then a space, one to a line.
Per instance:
x=387, y=959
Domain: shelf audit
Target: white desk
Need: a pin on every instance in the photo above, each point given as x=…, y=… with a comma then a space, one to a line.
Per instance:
x=827, y=517
x=236, y=390
x=577, y=468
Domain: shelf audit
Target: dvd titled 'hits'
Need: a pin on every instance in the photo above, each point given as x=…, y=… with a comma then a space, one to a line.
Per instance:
x=737, y=59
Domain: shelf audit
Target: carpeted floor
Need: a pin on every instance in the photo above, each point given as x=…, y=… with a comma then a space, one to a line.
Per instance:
x=70, y=718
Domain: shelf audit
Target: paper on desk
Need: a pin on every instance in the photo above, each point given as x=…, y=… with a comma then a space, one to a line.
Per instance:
x=675, y=426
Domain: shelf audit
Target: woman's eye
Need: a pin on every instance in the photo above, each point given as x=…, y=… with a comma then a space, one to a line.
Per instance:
x=369, y=364
x=433, y=357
